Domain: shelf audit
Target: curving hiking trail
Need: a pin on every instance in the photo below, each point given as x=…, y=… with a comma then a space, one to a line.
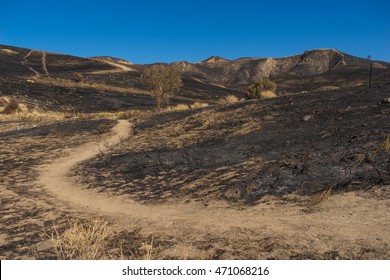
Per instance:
x=190, y=219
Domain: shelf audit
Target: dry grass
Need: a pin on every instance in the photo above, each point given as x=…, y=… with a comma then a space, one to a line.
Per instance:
x=321, y=197
x=199, y=105
x=359, y=158
x=33, y=116
x=81, y=84
x=9, y=52
x=386, y=144
x=11, y=107
x=183, y=107
x=150, y=253
x=103, y=128
x=84, y=241
x=268, y=94
x=178, y=107
x=228, y=99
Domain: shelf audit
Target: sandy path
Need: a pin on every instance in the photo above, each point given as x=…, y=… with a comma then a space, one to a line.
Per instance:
x=25, y=61
x=120, y=68
x=343, y=217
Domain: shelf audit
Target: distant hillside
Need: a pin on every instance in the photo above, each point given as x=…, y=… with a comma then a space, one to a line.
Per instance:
x=16, y=61
x=247, y=70
x=214, y=59
x=42, y=76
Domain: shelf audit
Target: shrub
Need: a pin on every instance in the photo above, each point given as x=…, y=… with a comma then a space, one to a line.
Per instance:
x=264, y=85
x=11, y=107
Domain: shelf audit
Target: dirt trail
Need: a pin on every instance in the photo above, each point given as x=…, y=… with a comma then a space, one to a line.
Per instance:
x=25, y=62
x=44, y=63
x=120, y=68
x=342, y=217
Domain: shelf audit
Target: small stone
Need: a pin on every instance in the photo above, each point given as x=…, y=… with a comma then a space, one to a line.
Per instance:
x=307, y=117
x=44, y=245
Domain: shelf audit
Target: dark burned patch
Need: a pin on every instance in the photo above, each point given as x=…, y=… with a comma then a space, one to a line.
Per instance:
x=212, y=155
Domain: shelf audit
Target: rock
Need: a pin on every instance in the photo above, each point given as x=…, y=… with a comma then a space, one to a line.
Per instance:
x=386, y=100
x=44, y=245
x=307, y=118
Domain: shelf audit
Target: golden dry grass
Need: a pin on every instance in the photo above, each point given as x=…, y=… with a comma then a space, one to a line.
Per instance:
x=84, y=241
x=228, y=99
x=199, y=105
x=386, y=144
x=321, y=197
x=268, y=94
x=182, y=107
x=33, y=116
x=178, y=107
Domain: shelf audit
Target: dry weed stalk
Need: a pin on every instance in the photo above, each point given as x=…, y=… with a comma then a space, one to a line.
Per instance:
x=83, y=241
x=321, y=197
x=359, y=158
x=149, y=251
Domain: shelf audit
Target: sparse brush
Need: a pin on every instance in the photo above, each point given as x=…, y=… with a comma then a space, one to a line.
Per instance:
x=83, y=241
x=11, y=107
x=149, y=251
x=103, y=128
x=228, y=99
x=78, y=77
x=261, y=89
x=386, y=144
x=359, y=158
x=321, y=197
x=178, y=107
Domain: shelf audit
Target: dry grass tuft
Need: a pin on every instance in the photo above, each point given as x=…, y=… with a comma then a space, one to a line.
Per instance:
x=103, y=128
x=359, y=158
x=12, y=107
x=82, y=84
x=83, y=241
x=321, y=197
x=268, y=94
x=199, y=105
x=178, y=107
x=386, y=144
x=228, y=99
x=150, y=253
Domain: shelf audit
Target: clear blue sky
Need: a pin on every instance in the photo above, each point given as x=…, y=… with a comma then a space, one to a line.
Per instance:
x=146, y=31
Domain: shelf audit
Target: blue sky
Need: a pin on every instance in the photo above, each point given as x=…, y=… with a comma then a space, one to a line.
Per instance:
x=146, y=31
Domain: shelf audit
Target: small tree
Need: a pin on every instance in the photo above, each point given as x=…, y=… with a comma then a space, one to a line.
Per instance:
x=255, y=91
x=163, y=81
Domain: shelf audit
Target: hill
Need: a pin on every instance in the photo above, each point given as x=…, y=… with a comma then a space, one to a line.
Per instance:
x=303, y=175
